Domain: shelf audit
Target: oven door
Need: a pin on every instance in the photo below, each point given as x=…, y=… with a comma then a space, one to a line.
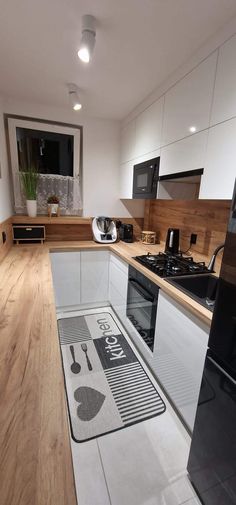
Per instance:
x=141, y=306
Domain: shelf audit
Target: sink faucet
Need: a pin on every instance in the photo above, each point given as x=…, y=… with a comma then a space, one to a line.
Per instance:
x=213, y=258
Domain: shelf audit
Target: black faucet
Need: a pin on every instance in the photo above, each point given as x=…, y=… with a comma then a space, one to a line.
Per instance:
x=213, y=258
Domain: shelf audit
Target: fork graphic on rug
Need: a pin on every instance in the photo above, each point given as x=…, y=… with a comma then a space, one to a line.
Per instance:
x=84, y=348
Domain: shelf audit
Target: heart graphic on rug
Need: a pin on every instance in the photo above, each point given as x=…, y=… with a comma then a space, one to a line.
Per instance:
x=90, y=402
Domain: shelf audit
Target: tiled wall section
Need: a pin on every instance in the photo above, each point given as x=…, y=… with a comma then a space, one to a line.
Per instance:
x=6, y=227
x=207, y=218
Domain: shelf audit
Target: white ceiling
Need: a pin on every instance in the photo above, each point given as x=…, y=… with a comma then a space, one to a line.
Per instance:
x=139, y=43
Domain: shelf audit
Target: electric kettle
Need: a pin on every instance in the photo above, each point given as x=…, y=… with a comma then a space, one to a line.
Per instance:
x=172, y=241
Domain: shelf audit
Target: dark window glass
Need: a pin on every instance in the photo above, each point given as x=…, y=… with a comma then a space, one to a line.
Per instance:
x=51, y=153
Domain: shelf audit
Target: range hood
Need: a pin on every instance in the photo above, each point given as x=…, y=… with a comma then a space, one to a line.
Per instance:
x=180, y=185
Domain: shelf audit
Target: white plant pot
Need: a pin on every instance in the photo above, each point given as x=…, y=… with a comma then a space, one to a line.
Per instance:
x=31, y=208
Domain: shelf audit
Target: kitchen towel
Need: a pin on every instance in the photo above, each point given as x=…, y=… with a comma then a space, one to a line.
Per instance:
x=107, y=389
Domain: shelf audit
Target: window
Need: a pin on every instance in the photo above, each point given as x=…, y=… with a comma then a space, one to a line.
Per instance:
x=56, y=151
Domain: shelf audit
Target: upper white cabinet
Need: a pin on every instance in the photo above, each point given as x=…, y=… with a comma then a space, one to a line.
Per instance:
x=220, y=166
x=66, y=278
x=148, y=128
x=126, y=180
x=188, y=103
x=94, y=276
x=128, y=142
x=184, y=155
x=224, y=103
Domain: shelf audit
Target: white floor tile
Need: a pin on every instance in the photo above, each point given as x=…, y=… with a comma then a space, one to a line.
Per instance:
x=146, y=463
x=90, y=482
x=193, y=501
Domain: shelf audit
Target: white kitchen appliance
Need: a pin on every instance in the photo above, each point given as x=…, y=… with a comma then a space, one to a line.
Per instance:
x=104, y=230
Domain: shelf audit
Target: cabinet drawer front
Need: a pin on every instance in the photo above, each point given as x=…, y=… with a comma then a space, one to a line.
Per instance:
x=28, y=232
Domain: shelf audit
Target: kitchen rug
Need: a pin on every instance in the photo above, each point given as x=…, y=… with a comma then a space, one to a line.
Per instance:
x=107, y=387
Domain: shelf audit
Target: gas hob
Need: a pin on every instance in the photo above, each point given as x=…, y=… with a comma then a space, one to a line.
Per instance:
x=166, y=265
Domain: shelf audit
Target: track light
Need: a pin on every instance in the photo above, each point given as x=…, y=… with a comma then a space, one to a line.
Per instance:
x=87, y=42
x=74, y=97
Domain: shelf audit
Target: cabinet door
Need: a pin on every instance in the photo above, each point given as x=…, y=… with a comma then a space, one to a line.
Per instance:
x=224, y=103
x=66, y=278
x=220, y=166
x=126, y=179
x=118, y=281
x=188, y=103
x=148, y=128
x=128, y=142
x=94, y=276
x=179, y=354
x=184, y=155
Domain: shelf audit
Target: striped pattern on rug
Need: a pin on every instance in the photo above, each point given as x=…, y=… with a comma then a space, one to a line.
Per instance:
x=133, y=392
x=73, y=330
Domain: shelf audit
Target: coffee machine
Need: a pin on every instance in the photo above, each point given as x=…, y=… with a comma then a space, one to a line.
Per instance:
x=104, y=230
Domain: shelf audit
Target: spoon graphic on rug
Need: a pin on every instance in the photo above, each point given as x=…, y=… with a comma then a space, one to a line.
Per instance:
x=75, y=367
x=85, y=349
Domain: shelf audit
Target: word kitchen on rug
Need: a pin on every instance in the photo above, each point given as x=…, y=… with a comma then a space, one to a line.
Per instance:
x=107, y=387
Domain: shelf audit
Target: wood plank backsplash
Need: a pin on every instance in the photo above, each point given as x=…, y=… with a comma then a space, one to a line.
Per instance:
x=207, y=218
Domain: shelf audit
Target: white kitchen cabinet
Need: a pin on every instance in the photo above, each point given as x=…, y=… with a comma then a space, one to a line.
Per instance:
x=66, y=278
x=94, y=276
x=188, y=103
x=128, y=142
x=184, y=155
x=148, y=128
x=224, y=103
x=220, y=165
x=179, y=354
x=126, y=179
x=118, y=282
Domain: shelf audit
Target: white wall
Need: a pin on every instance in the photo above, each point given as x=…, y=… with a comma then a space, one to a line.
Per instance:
x=101, y=143
x=5, y=194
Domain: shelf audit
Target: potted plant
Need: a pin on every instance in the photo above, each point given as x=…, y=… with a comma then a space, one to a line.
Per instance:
x=29, y=180
x=53, y=205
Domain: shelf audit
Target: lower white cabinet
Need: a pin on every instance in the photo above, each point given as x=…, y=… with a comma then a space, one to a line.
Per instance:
x=94, y=276
x=118, y=282
x=66, y=278
x=179, y=355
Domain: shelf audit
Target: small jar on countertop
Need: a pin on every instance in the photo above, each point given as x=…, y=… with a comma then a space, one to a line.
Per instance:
x=148, y=237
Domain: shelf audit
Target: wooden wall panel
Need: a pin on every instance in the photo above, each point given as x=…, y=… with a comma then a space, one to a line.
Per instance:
x=6, y=227
x=84, y=232
x=207, y=218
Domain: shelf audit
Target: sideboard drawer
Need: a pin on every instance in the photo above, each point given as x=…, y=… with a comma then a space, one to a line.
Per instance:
x=28, y=233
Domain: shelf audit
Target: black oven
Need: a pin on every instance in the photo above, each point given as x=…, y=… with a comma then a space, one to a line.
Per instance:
x=145, y=179
x=141, y=306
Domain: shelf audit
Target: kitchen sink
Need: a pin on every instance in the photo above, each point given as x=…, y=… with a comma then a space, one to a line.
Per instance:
x=202, y=288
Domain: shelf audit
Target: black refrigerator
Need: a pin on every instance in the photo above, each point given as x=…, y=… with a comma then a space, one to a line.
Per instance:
x=212, y=459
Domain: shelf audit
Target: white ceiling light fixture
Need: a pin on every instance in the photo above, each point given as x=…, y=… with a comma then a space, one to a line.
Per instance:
x=74, y=96
x=88, y=38
x=192, y=129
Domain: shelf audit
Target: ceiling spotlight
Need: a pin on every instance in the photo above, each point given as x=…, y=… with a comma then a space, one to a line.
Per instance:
x=74, y=97
x=192, y=129
x=87, y=42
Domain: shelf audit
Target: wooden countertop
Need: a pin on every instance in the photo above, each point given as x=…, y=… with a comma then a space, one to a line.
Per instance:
x=35, y=455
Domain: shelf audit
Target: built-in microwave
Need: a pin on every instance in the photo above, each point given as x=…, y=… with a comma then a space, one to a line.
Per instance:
x=145, y=179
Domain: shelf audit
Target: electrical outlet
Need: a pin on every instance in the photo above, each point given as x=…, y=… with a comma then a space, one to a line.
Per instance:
x=193, y=238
